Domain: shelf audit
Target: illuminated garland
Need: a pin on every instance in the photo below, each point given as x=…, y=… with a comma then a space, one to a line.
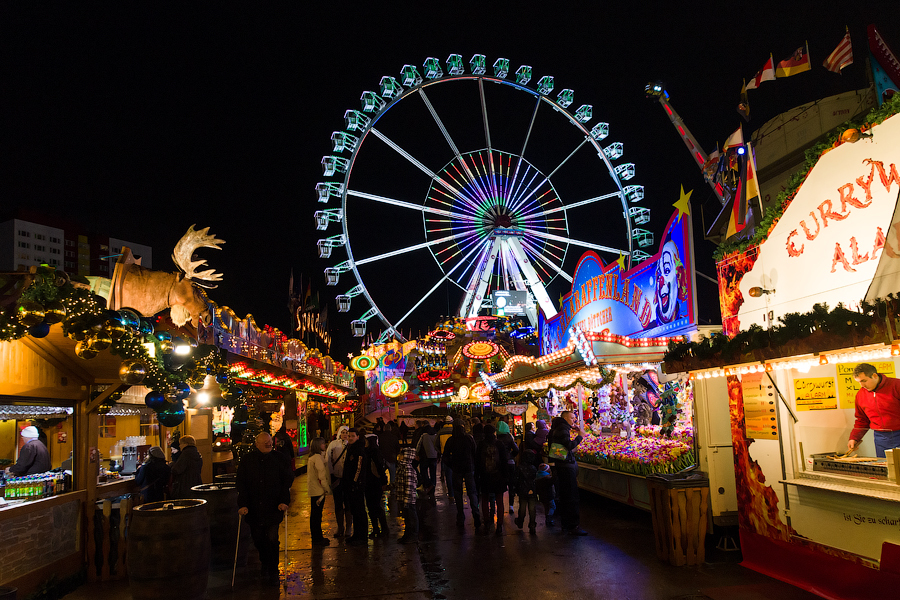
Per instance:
x=529, y=395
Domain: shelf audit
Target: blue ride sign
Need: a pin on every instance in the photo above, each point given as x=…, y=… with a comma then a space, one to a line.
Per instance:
x=654, y=299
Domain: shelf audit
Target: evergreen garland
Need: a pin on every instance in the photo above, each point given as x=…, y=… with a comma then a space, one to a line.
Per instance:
x=875, y=117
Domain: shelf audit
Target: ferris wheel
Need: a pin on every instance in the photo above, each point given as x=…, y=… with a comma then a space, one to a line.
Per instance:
x=494, y=219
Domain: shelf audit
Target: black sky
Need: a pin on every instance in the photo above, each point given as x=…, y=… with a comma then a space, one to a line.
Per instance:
x=139, y=119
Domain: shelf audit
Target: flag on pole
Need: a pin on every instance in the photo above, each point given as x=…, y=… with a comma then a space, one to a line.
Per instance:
x=735, y=139
x=841, y=57
x=797, y=63
x=743, y=106
x=767, y=73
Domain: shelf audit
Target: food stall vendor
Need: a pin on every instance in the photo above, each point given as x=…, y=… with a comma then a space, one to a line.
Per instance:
x=877, y=407
x=33, y=457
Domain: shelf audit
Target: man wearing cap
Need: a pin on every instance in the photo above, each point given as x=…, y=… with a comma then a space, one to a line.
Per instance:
x=33, y=457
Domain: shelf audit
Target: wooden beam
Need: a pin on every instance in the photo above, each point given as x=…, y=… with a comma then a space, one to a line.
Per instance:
x=55, y=357
x=91, y=405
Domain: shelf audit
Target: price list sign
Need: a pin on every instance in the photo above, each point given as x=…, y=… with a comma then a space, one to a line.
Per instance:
x=815, y=393
x=847, y=386
x=759, y=407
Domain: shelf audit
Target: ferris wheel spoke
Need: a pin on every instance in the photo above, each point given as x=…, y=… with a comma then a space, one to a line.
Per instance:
x=566, y=159
x=457, y=193
x=436, y=286
x=410, y=205
x=529, y=247
x=565, y=207
x=574, y=242
x=411, y=248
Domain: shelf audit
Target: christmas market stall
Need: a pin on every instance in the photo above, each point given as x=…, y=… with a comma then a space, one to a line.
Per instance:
x=93, y=372
x=600, y=358
x=805, y=301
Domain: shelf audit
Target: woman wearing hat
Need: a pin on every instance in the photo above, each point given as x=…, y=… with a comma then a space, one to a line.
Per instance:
x=152, y=478
x=33, y=457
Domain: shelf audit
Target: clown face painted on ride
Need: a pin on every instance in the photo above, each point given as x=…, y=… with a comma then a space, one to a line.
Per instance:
x=668, y=290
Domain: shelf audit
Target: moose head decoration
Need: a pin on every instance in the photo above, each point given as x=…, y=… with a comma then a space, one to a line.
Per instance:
x=150, y=292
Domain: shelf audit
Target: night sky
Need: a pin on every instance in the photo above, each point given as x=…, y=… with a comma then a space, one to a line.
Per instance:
x=139, y=119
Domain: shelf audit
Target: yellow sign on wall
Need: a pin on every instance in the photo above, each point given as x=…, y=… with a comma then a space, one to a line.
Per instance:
x=847, y=386
x=815, y=393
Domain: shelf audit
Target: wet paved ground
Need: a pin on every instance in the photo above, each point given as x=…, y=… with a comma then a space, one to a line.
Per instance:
x=616, y=561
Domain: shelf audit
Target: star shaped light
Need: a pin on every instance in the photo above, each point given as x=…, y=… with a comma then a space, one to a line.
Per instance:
x=621, y=262
x=684, y=203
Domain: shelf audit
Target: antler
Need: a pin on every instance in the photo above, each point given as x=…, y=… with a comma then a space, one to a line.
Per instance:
x=185, y=248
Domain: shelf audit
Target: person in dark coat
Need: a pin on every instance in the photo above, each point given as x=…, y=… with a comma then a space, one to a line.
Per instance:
x=404, y=432
x=376, y=481
x=491, y=463
x=539, y=438
x=186, y=471
x=567, y=472
x=389, y=446
x=152, y=477
x=356, y=467
x=264, y=481
x=33, y=457
x=459, y=453
x=284, y=443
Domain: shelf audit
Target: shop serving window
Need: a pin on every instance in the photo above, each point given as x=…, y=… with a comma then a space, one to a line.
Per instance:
x=149, y=425
x=107, y=427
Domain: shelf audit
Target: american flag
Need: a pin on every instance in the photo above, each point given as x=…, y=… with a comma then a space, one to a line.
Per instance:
x=841, y=57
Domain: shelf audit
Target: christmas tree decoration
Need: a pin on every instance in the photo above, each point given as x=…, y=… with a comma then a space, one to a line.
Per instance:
x=83, y=350
x=99, y=341
x=115, y=329
x=146, y=327
x=181, y=390
x=39, y=331
x=132, y=372
x=54, y=312
x=130, y=319
x=171, y=416
x=30, y=313
x=155, y=400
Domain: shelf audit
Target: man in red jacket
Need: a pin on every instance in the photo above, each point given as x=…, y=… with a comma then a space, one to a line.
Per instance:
x=877, y=407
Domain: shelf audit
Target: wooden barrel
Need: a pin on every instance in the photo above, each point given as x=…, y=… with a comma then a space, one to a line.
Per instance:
x=168, y=550
x=221, y=509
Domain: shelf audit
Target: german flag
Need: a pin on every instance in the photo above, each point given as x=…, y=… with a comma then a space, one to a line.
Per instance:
x=797, y=63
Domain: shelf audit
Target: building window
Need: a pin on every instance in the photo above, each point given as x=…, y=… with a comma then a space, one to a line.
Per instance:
x=24, y=256
x=70, y=242
x=55, y=240
x=107, y=427
x=24, y=245
x=149, y=425
x=40, y=236
x=53, y=261
x=54, y=250
x=70, y=265
x=39, y=247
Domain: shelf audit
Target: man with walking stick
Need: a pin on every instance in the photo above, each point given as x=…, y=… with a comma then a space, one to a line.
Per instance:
x=264, y=481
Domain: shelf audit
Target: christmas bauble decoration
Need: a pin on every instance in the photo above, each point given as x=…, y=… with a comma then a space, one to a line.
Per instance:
x=54, y=312
x=166, y=346
x=78, y=334
x=40, y=330
x=198, y=383
x=99, y=341
x=146, y=327
x=155, y=400
x=132, y=372
x=115, y=329
x=130, y=319
x=182, y=390
x=222, y=378
x=84, y=350
x=163, y=335
x=171, y=417
x=30, y=313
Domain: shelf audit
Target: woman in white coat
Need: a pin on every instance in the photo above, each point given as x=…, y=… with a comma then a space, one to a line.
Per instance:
x=319, y=486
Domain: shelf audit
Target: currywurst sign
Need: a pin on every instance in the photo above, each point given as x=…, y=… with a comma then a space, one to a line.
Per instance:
x=827, y=245
x=655, y=298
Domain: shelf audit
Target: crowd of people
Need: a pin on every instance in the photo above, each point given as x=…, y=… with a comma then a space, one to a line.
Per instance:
x=479, y=461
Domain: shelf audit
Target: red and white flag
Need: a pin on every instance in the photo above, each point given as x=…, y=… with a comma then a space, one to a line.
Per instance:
x=767, y=73
x=841, y=57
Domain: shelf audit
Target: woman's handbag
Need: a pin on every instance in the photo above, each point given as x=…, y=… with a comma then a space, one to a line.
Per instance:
x=558, y=452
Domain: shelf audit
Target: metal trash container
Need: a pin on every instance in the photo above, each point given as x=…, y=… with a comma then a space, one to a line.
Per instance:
x=678, y=504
